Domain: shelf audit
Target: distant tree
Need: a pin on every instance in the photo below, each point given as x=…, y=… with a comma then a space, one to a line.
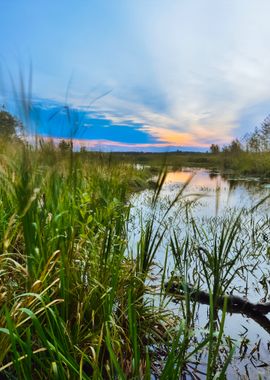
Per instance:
x=9, y=125
x=265, y=133
x=214, y=149
x=235, y=146
x=254, y=141
x=83, y=149
x=65, y=146
x=225, y=149
x=259, y=140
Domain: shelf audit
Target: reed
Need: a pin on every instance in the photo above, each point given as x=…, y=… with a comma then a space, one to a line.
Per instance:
x=77, y=301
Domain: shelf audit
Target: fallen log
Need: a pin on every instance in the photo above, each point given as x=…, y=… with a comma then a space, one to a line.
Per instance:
x=235, y=304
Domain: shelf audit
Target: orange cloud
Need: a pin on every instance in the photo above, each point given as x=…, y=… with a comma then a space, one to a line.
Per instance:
x=171, y=137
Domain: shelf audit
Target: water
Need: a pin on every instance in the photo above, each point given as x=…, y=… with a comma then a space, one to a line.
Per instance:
x=209, y=200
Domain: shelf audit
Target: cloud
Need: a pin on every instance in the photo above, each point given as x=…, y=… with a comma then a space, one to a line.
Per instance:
x=180, y=72
x=211, y=64
x=110, y=145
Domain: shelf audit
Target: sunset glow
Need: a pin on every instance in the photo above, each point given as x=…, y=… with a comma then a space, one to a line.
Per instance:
x=152, y=73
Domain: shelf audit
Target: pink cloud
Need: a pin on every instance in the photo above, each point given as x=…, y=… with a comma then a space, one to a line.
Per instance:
x=97, y=144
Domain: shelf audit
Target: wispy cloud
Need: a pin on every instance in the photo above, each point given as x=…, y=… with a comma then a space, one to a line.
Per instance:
x=180, y=72
x=110, y=145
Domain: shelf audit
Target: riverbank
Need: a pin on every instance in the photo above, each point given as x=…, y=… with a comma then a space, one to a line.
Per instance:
x=241, y=163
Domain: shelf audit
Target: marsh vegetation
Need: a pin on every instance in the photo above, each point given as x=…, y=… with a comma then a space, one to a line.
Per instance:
x=101, y=277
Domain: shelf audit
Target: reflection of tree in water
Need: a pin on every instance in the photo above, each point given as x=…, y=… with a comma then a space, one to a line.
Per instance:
x=252, y=186
x=213, y=174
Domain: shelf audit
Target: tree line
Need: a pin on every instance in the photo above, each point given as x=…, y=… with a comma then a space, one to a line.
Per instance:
x=11, y=128
x=255, y=142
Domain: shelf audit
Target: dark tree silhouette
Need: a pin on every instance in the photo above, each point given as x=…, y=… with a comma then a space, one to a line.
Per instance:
x=214, y=148
x=265, y=133
x=235, y=146
x=65, y=146
x=9, y=125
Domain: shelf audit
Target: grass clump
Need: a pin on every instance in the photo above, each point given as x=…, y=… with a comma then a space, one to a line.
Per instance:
x=72, y=301
x=77, y=301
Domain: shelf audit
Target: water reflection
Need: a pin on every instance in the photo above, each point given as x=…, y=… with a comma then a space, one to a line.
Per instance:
x=217, y=190
x=217, y=198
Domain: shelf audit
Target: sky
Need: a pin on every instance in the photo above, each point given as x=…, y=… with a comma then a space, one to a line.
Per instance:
x=137, y=74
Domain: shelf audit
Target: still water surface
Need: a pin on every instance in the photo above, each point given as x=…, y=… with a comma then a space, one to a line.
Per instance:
x=209, y=199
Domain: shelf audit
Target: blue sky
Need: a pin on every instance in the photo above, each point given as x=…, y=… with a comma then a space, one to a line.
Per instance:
x=140, y=74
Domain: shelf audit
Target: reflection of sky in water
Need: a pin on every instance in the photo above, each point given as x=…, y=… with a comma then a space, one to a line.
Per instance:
x=216, y=192
x=212, y=196
x=216, y=198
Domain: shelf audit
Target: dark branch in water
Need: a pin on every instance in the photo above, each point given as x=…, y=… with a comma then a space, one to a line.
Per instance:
x=235, y=304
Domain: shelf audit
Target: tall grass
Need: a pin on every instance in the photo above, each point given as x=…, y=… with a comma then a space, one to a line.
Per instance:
x=75, y=298
x=72, y=302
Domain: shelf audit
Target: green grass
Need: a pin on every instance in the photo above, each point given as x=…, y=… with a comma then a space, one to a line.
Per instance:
x=72, y=302
x=76, y=300
x=241, y=163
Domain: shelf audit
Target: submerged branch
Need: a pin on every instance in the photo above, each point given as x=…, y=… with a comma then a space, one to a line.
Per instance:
x=235, y=304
